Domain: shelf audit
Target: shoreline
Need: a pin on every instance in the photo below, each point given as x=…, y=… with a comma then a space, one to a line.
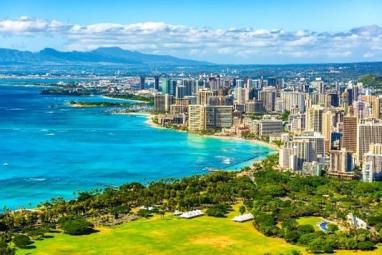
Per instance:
x=123, y=99
x=273, y=147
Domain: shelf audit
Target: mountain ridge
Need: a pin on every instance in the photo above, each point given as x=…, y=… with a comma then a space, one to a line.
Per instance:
x=112, y=55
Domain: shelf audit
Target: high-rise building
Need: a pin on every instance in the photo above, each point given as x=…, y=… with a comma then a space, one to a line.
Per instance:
x=268, y=98
x=219, y=116
x=180, y=91
x=270, y=126
x=327, y=126
x=162, y=102
x=254, y=107
x=241, y=95
x=142, y=82
x=178, y=109
x=164, y=86
x=297, y=123
x=349, y=138
x=205, y=117
x=319, y=85
x=317, y=142
x=377, y=107
x=362, y=109
x=156, y=82
x=294, y=153
x=220, y=100
x=314, y=118
x=293, y=100
x=196, y=120
x=368, y=132
x=332, y=99
x=214, y=83
x=202, y=96
x=341, y=162
x=372, y=164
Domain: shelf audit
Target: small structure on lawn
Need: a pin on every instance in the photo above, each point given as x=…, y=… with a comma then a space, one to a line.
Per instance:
x=191, y=214
x=243, y=217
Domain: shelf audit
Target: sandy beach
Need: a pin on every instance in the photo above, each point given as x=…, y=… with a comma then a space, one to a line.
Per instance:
x=232, y=138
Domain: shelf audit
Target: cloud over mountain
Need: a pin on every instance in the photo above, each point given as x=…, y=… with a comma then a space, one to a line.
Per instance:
x=237, y=45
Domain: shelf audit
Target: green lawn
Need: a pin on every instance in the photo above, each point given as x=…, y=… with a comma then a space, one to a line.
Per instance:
x=310, y=221
x=170, y=235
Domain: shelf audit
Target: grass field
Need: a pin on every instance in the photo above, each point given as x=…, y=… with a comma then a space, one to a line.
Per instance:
x=170, y=235
x=310, y=221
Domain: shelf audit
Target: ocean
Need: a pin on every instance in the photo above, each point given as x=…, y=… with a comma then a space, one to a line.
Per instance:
x=49, y=149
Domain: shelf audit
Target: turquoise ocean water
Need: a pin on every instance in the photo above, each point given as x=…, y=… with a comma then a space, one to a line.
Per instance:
x=48, y=149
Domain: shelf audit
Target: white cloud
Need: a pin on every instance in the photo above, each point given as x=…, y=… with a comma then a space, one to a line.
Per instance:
x=25, y=25
x=251, y=45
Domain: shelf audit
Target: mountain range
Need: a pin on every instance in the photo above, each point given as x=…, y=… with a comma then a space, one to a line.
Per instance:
x=104, y=55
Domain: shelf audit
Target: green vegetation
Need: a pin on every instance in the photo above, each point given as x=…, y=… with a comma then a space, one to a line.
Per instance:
x=74, y=225
x=278, y=143
x=372, y=81
x=285, y=116
x=99, y=104
x=168, y=235
x=5, y=249
x=255, y=116
x=310, y=220
x=248, y=135
x=279, y=202
x=22, y=241
x=70, y=91
x=219, y=210
x=147, y=99
x=175, y=127
x=252, y=136
x=209, y=131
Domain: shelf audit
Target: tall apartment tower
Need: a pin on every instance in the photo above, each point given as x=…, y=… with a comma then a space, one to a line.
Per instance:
x=162, y=103
x=349, y=138
x=142, y=82
x=268, y=98
x=327, y=124
x=241, y=95
x=377, y=107
x=202, y=96
x=341, y=162
x=156, y=82
x=319, y=85
x=368, y=133
x=196, y=120
x=314, y=118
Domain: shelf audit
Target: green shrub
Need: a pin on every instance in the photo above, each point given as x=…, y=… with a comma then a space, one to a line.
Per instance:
x=218, y=210
x=76, y=226
x=144, y=213
x=366, y=246
x=22, y=241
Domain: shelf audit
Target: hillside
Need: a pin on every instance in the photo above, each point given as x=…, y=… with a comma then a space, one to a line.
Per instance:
x=108, y=55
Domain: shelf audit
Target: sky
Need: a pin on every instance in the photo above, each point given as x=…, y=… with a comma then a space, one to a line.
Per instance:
x=220, y=31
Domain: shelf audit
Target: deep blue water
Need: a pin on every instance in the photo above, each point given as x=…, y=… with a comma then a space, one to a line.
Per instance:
x=48, y=149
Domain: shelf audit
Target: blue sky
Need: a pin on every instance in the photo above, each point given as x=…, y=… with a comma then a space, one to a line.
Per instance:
x=272, y=31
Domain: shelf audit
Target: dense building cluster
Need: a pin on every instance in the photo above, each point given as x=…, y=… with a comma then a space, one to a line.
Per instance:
x=331, y=128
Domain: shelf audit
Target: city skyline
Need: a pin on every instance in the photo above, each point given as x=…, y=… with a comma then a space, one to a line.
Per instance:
x=262, y=33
